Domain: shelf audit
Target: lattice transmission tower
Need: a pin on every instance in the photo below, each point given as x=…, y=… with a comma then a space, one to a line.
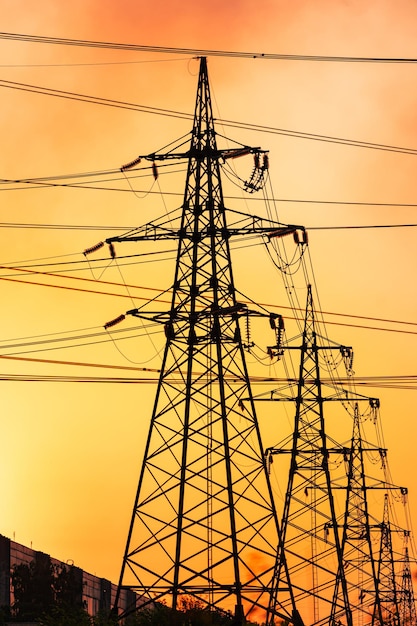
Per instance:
x=339, y=575
x=204, y=523
x=207, y=525
x=407, y=608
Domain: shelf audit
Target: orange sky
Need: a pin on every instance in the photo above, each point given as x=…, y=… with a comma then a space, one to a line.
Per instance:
x=72, y=452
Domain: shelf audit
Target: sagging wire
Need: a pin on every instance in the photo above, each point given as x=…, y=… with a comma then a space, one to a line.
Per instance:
x=276, y=322
x=288, y=276
x=118, y=320
x=93, y=249
x=136, y=193
x=260, y=171
x=285, y=266
x=289, y=285
x=326, y=356
x=112, y=253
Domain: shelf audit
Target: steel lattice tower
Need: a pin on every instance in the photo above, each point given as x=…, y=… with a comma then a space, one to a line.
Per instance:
x=328, y=551
x=204, y=523
x=387, y=585
x=407, y=609
x=309, y=511
x=358, y=557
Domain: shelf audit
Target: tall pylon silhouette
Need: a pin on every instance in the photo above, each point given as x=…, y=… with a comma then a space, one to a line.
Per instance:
x=309, y=522
x=407, y=608
x=357, y=529
x=387, y=583
x=204, y=523
x=328, y=552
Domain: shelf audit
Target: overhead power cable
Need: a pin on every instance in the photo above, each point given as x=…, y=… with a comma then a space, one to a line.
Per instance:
x=345, y=324
x=187, y=116
x=199, y=51
x=78, y=363
x=94, y=100
x=158, y=290
x=393, y=383
x=97, y=227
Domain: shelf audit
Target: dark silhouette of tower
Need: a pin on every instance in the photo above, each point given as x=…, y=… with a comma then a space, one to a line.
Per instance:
x=357, y=530
x=338, y=577
x=205, y=528
x=386, y=581
x=204, y=523
x=407, y=608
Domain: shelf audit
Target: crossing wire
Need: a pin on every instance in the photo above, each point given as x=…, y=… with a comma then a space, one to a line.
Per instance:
x=187, y=116
x=199, y=51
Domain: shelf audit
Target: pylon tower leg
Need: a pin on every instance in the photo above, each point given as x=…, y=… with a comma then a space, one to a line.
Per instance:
x=204, y=524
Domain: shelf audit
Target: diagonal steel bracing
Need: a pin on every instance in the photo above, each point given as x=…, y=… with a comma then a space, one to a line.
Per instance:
x=204, y=523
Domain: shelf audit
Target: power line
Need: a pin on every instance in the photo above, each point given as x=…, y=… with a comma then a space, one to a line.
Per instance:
x=78, y=289
x=198, y=51
x=187, y=116
x=392, y=383
x=96, y=227
x=96, y=64
x=93, y=99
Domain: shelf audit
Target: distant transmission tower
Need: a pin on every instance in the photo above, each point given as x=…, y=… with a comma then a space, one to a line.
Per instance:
x=407, y=608
x=337, y=578
x=204, y=523
x=387, y=583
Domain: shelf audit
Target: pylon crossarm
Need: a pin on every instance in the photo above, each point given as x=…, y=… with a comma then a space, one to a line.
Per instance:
x=227, y=153
x=156, y=232
x=234, y=312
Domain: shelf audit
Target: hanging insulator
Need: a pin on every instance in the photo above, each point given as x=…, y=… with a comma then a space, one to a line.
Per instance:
x=117, y=320
x=93, y=248
x=300, y=237
x=347, y=354
x=280, y=332
x=154, y=170
x=265, y=165
x=241, y=405
x=112, y=251
x=272, y=317
x=128, y=166
x=249, y=343
x=256, y=160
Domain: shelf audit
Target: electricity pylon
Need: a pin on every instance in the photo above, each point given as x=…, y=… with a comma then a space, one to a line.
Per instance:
x=204, y=523
x=310, y=534
x=357, y=527
x=328, y=551
x=407, y=608
x=387, y=584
